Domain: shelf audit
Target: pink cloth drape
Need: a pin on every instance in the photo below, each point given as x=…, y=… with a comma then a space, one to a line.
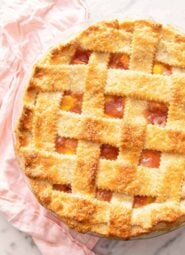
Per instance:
x=28, y=28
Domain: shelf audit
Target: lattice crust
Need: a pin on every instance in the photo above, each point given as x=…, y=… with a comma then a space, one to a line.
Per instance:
x=101, y=133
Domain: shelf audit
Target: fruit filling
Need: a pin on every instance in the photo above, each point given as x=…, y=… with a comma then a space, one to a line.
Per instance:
x=114, y=106
x=150, y=158
x=72, y=102
x=104, y=195
x=156, y=114
x=160, y=68
x=81, y=57
x=109, y=152
x=120, y=61
x=65, y=145
x=140, y=201
x=62, y=187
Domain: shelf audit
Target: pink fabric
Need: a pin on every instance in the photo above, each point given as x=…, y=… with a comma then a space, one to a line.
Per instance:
x=29, y=28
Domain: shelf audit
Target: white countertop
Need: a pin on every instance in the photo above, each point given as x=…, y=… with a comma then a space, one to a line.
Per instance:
x=14, y=242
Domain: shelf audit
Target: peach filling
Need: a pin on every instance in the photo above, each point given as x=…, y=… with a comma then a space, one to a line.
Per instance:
x=104, y=195
x=81, y=57
x=150, y=158
x=140, y=201
x=160, y=68
x=120, y=61
x=109, y=152
x=71, y=102
x=66, y=145
x=62, y=187
x=156, y=114
x=114, y=106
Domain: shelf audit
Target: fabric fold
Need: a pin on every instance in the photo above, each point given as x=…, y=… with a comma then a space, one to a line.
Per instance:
x=26, y=33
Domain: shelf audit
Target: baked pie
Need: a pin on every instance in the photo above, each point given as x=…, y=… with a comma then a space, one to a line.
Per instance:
x=101, y=134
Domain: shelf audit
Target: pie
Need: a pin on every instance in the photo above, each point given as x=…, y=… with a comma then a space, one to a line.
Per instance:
x=101, y=133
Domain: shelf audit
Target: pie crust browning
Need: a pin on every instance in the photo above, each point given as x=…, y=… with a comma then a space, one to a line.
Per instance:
x=94, y=110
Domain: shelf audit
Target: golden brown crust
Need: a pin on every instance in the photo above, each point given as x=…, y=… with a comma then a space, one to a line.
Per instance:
x=42, y=120
x=145, y=33
x=138, y=85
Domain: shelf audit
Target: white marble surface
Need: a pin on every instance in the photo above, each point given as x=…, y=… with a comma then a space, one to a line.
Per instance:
x=14, y=242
